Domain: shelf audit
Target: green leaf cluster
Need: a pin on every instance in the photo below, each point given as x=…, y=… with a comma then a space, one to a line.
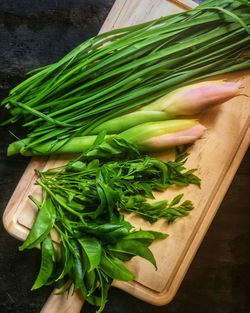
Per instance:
x=84, y=201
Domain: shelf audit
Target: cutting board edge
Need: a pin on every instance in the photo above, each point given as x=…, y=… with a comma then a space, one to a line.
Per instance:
x=185, y=4
x=10, y=215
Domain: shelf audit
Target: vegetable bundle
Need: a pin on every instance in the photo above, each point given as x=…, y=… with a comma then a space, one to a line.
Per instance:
x=125, y=69
x=83, y=201
x=152, y=128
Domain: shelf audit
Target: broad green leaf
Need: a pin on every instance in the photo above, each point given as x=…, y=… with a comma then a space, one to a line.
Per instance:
x=47, y=263
x=93, y=250
x=78, y=270
x=115, y=268
x=42, y=225
x=120, y=255
x=142, y=235
x=134, y=247
x=90, y=279
x=66, y=261
x=158, y=235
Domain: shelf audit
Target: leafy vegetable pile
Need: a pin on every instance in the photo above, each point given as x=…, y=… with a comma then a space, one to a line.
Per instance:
x=112, y=74
x=83, y=202
x=127, y=68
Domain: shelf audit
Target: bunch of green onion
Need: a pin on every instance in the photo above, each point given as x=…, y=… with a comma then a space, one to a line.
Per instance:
x=125, y=69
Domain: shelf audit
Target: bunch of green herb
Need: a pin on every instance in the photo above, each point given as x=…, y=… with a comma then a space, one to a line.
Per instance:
x=84, y=200
x=127, y=68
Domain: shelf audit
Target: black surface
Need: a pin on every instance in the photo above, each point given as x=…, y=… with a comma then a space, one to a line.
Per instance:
x=35, y=33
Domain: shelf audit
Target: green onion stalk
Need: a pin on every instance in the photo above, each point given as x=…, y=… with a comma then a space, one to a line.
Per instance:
x=126, y=69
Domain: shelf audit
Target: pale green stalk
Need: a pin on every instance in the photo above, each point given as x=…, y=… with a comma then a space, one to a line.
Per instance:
x=144, y=136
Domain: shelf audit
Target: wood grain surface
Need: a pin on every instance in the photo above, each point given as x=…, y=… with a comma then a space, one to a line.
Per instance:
x=217, y=157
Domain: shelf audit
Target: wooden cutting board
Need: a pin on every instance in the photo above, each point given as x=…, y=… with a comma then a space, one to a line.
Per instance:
x=216, y=156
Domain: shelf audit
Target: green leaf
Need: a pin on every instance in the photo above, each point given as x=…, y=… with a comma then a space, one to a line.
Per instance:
x=42, y=225
x=90, y=279
x=105, y=283
x=134, y=247
x=78, y=270
x=47, y=263
x=66, y=261
x=143, y=236
x=120, y=255
x=176, y=200
x=158, y=235
x=93, y=250
x=115, y=268
x=106, y=233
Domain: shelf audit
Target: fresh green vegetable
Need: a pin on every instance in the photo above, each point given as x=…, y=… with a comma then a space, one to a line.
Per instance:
x=188, y=100
x=169, y=133
x=126, y=121
x=47, y=263
x=44, y=223
x=193, y=99
x=156, y=136
x=84, y=201
x=125, y=69
x=160, y=209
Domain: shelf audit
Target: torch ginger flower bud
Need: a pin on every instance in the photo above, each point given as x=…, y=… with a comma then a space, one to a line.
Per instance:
x=157, y=136
x=151, y=136
x=188, y=100
x=195, y=98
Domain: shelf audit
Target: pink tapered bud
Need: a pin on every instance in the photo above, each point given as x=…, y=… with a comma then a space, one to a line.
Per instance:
x=156, y=136
x=195, y=98
x=174, y=139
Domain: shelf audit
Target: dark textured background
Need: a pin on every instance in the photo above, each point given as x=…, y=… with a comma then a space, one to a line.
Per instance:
x=35, y=33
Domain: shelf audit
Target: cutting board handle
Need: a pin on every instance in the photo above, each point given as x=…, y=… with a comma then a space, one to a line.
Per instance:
x=65, y=303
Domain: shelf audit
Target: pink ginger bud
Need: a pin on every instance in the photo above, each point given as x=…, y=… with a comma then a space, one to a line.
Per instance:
x=195, y=98
x=156, y=136
x=165, y=141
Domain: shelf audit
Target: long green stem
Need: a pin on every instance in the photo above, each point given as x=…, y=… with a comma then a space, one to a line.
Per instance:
x=121, y=70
